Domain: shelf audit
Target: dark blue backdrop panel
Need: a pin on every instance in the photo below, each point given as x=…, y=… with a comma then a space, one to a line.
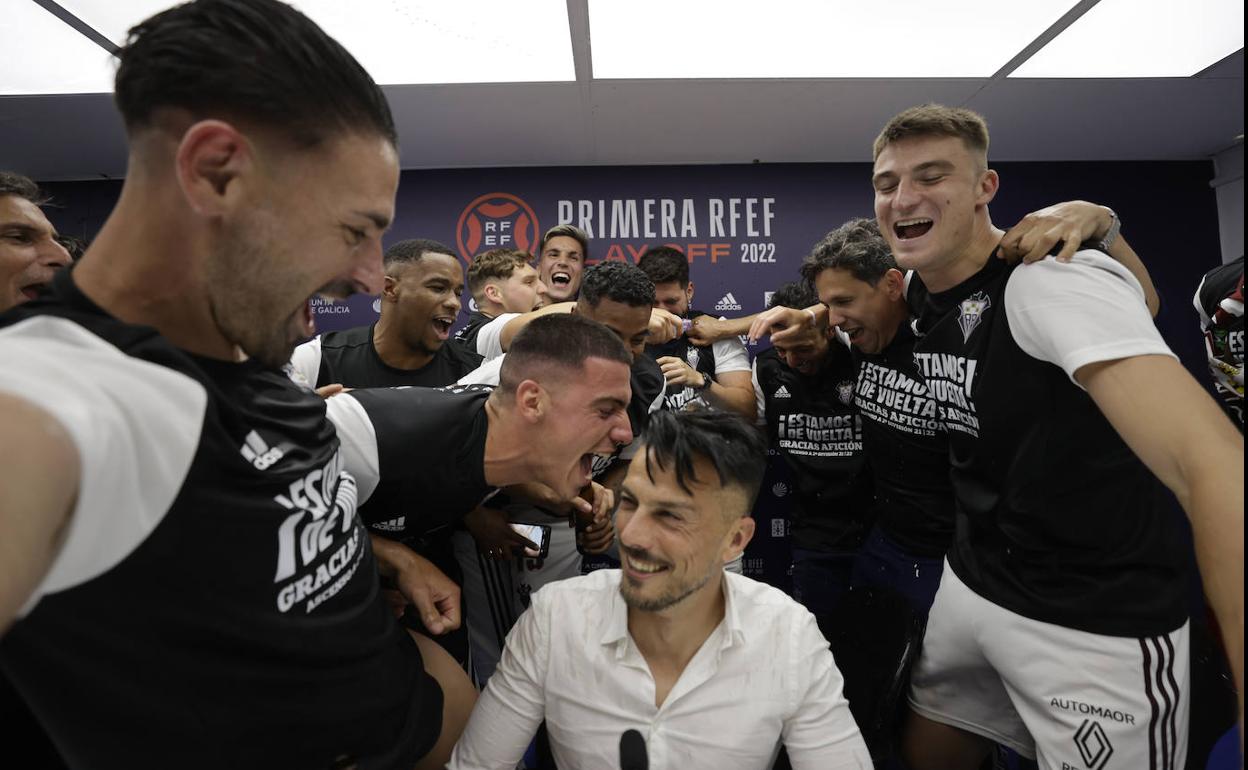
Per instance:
x=747, y=228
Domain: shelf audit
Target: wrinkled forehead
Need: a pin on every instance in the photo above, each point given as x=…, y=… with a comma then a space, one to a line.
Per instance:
x=16, y=210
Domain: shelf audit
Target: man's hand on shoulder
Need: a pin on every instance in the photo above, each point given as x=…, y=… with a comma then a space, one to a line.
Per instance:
x=1070, y=223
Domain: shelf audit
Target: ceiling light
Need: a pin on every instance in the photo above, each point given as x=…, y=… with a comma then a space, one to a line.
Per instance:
x=44, y=55
x=1141, y=39
x=411, y=41
x=813, y=38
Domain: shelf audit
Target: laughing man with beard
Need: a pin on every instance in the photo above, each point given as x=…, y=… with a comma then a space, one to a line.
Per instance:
x=407, y=346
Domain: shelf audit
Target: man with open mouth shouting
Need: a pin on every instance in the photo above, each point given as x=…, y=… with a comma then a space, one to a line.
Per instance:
x=407, y=345
x=29, y=250
x=561, y=261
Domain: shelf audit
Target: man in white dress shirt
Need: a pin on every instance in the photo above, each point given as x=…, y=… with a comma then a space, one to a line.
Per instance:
x=669, y=644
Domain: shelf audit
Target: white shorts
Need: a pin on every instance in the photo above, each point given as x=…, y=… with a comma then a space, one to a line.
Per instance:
x=1067, y=698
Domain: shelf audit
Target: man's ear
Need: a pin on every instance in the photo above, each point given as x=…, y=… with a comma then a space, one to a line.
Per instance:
x=689, y=294
x=213, y=162
x=390, y=288
x=894, y=283
x=532, y=401
x=742, y=534
x=493, y=293
x=989, y=183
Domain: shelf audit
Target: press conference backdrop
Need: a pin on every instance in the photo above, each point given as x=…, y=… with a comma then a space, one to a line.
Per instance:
x=745, y=230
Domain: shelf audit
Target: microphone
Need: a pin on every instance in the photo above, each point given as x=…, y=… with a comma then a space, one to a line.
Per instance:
x=633, y=754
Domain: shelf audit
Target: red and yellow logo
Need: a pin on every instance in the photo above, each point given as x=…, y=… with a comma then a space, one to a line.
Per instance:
x=496, y=221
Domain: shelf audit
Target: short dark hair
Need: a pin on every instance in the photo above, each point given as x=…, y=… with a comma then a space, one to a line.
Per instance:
x=856, y=246
x=795, y=294
x=494, y=264
x=23, y=187
x=251, y=60
x=665, y=264
x=618, y=282
x=566, y=231
x=935, y=120
x=74, y=245
x=558, y=340
x=733, y=447
x=412, y=249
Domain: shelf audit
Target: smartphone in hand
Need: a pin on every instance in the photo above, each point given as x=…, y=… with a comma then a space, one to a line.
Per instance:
x=537, y=533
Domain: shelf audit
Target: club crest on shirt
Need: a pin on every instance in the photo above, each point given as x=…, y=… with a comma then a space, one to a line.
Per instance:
x=971, y=312
x=693, y=356
x=845, y=392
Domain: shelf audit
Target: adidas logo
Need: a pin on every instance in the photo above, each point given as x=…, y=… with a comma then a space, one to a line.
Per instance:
x=392, y=525
x=783, y=392
x=258, y=453
x=728, y=302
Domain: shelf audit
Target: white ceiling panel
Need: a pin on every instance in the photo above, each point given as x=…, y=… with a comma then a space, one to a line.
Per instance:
x=43, y=55
x=813, y=38
x=411, y=41
x=1142, y=39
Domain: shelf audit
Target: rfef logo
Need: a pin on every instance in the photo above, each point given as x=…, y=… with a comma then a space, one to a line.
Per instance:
x=496, y=221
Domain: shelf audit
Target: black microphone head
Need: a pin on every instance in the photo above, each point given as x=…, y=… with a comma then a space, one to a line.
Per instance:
x=633, y=754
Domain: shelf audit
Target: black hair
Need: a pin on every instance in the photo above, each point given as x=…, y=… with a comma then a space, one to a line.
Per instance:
x=251, y=60
x=23, y=187
x=733, y=447
x=74, y=245
x=856, y=246
x=412, y=249
x=557, y=341
x=619, y=282
x=796, y=294
x=665, y=264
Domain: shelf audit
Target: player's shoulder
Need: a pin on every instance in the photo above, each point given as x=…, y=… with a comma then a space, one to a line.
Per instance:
x=647, y=378
x=346, y=338
x=1084, y=265
x=584, y=592
x=760, y=605
x=462, y=359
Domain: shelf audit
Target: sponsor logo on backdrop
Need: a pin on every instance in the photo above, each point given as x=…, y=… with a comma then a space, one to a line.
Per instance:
x=377, y=305
x=727, y=302
x=767, y=295
x=472, y=306
x=496, y=220
x=705, y=229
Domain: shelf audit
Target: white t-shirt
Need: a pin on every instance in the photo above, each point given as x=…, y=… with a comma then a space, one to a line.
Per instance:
x=136, y=427
x=1081, y=313
x=490, y=336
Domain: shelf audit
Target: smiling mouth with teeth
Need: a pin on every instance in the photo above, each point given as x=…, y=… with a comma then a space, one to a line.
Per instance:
x=642, y=566
x=560, y=278
x=443, y=325
x=907, y=229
